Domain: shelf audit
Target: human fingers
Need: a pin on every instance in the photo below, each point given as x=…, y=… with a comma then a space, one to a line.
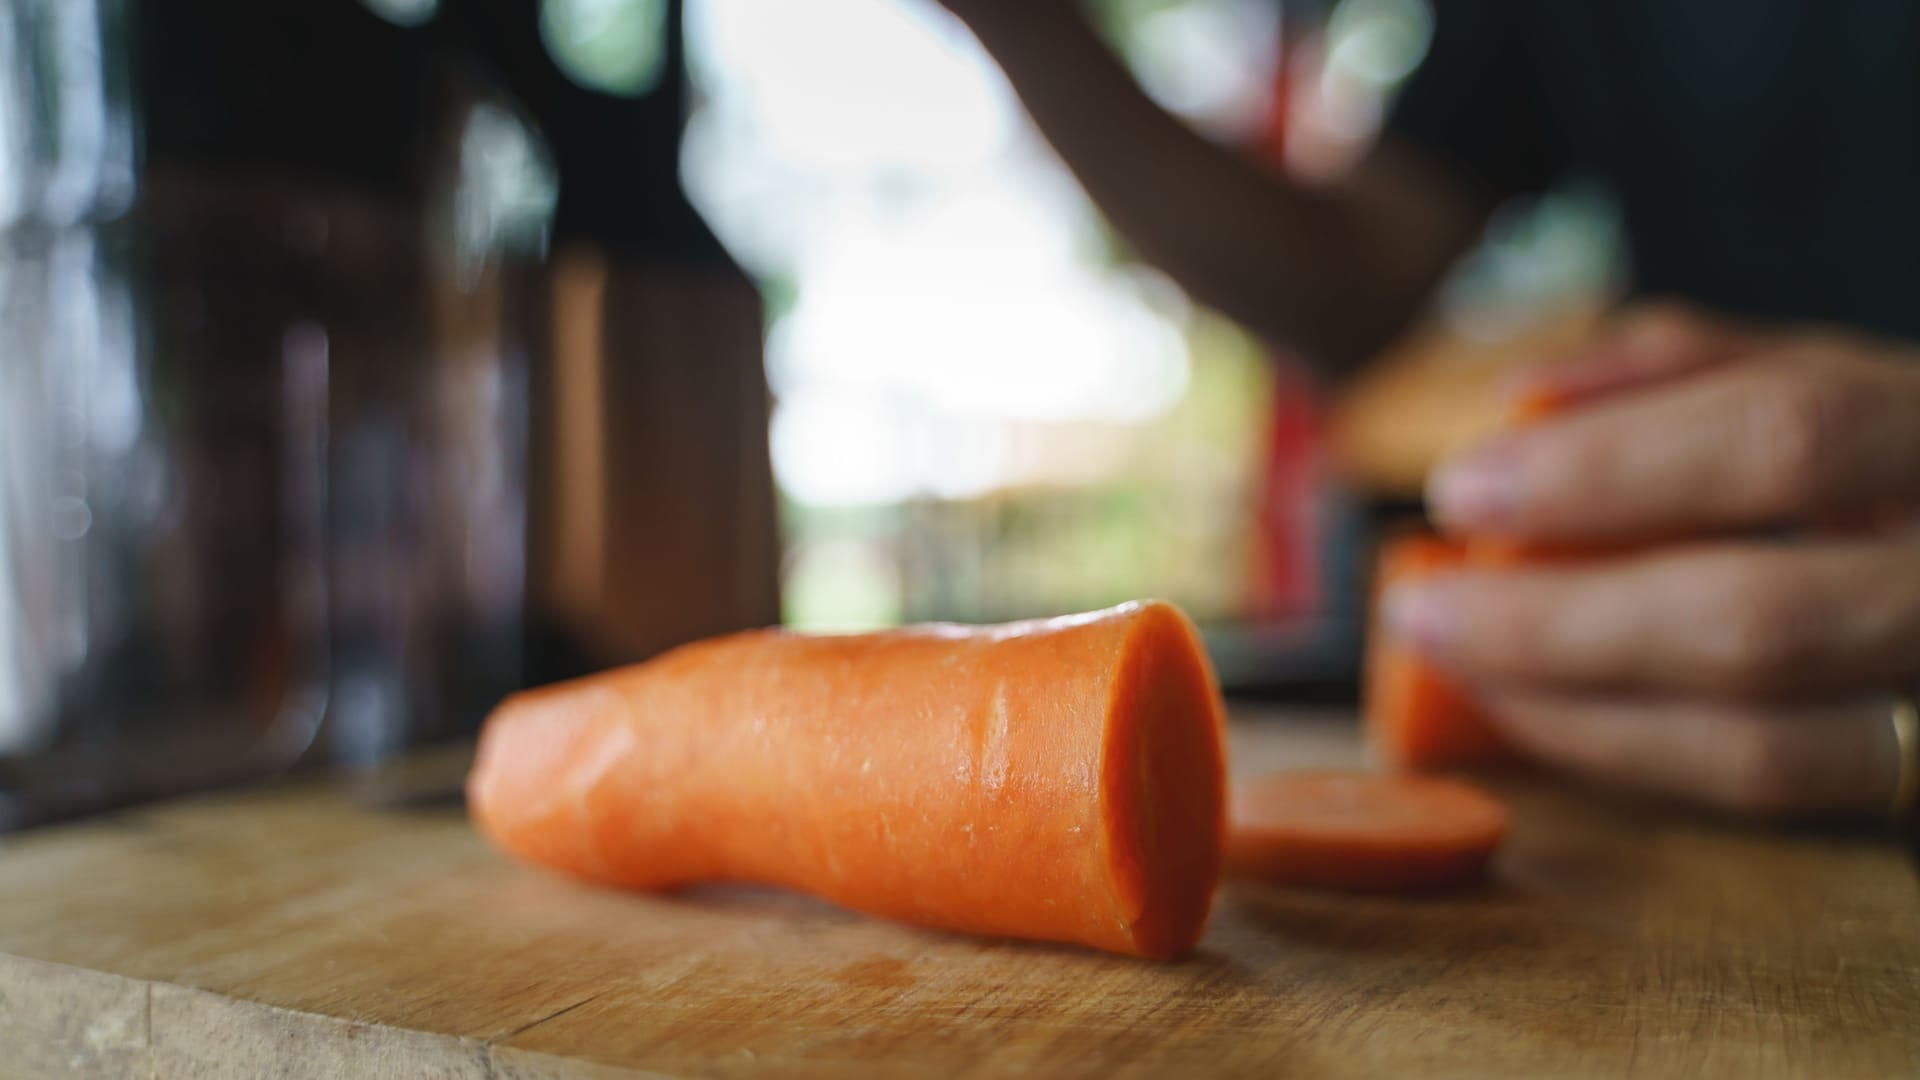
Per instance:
x=1725, y=619
x=1832, y=758
x=1645, y=342
x=1787, y=437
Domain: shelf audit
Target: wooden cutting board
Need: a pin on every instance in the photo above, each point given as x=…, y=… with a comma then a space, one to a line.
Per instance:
x=336, y=929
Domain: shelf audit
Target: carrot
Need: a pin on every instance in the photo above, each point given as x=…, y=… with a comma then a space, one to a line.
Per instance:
x=1416, y=717
x=1061, y=780
x=1362, y=832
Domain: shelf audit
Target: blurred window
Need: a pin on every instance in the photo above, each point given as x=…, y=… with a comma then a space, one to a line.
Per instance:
x=982, y=410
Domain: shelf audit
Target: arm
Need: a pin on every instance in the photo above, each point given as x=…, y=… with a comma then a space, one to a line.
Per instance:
x=1331, y=271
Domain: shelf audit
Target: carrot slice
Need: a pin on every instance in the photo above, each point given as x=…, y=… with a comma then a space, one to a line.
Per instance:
x=1362, y=832
x=1059, y=779
x=1416, y=717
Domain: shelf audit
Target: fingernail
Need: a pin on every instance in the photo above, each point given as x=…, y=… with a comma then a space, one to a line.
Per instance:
x=1419, y=613
x=1479, y=489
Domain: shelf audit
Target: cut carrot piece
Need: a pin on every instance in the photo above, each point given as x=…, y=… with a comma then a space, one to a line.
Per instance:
x=1416, y=717
x=1362, y=832
x=1058, y=779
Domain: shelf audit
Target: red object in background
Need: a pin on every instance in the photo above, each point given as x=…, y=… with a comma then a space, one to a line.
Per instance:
x=1288, y=564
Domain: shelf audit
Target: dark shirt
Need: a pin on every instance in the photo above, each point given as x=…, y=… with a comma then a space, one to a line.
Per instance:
x=1765, y=154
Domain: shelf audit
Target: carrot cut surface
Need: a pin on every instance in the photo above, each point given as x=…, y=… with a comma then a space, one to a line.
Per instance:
x=1363, y=832
x=1058, y=779
x=1416, y=717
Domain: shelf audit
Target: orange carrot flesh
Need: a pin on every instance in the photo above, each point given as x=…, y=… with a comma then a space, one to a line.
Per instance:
x=1416, y=717
x=1362, y=832
x=1060, y=779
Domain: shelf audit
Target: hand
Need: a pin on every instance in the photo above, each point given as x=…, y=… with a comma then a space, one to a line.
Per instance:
x=1752, y=671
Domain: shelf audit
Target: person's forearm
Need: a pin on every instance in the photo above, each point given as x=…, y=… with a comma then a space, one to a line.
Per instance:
x=1329, y=272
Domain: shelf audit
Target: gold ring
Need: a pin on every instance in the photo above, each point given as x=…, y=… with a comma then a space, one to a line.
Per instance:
x=1906, y=737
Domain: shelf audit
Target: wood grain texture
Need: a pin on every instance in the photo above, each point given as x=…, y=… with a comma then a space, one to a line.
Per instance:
x=360, y=929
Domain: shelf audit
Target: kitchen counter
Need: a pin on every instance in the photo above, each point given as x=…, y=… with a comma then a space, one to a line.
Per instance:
x=359, y=927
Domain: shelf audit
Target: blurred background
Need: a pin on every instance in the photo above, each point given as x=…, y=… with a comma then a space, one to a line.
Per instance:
x=363, y=361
